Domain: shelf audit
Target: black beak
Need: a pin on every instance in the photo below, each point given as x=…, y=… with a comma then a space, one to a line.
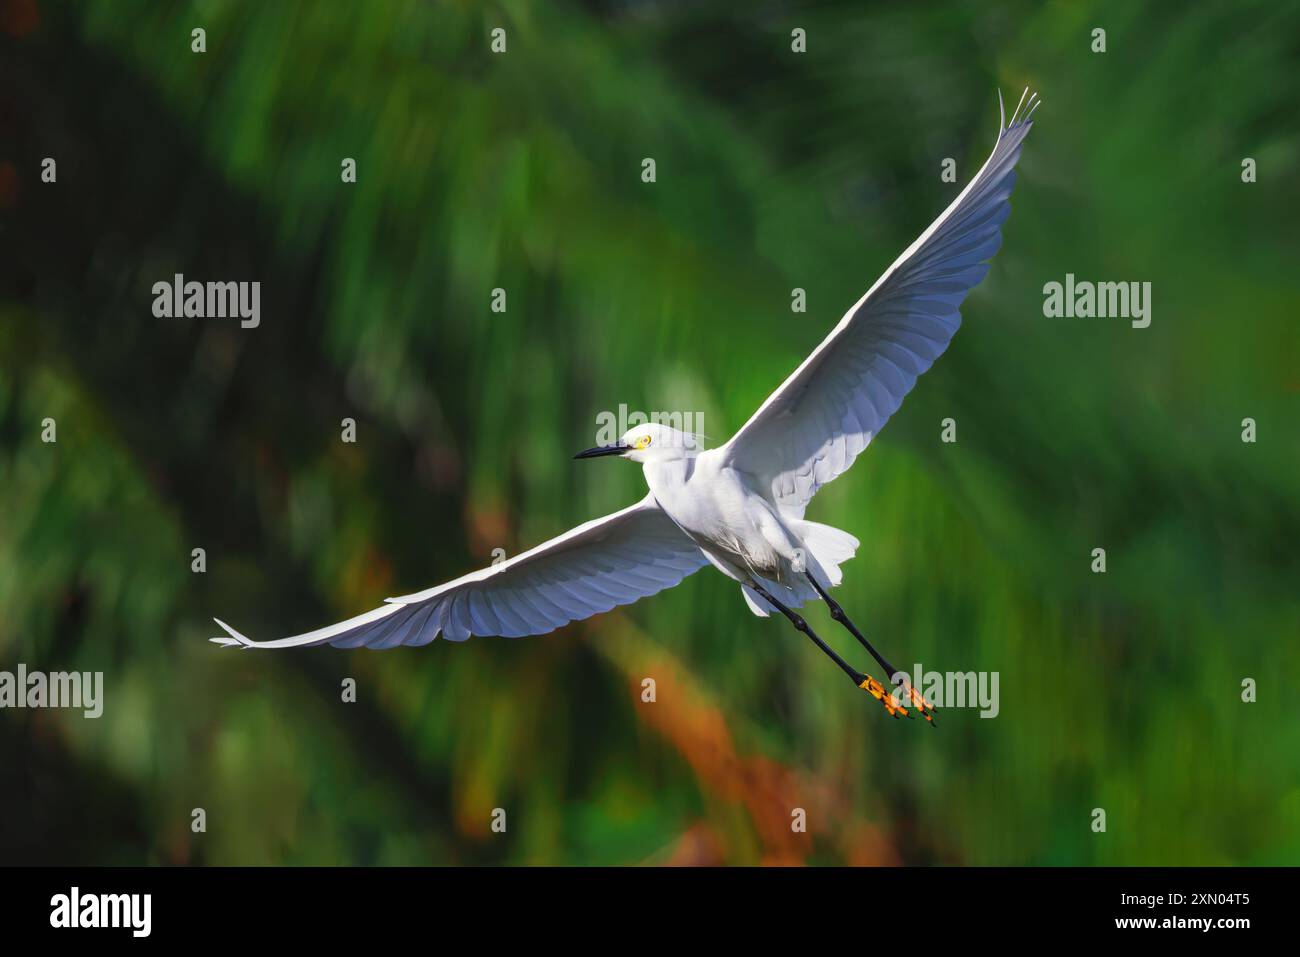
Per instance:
x=602, y=450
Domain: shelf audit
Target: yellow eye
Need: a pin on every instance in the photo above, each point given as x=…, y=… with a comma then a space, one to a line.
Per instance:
x=642, y=442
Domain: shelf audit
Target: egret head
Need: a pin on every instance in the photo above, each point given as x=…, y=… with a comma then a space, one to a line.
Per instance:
x=652, y=442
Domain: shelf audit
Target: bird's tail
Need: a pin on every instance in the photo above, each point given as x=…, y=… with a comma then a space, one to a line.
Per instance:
x=827, y=548
x=832, y=547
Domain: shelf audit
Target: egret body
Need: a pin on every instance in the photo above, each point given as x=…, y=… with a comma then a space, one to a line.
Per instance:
x=740, y=507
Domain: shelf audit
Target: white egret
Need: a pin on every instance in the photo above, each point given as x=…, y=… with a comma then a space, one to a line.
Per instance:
x=740, y=507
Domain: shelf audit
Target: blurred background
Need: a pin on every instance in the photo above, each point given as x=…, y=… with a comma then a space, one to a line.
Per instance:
x=522, y=171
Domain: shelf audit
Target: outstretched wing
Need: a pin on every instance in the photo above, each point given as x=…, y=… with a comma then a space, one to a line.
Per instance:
x=812, y=428
x=606, y=562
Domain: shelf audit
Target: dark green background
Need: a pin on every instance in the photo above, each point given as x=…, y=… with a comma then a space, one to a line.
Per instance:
x=1119, y=691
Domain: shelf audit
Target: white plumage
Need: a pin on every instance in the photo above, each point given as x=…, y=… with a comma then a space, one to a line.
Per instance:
x=739, y=507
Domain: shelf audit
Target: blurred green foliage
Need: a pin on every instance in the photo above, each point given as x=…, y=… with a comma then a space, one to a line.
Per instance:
x=522, y=171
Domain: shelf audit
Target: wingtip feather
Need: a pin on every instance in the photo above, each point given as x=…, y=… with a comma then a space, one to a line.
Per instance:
x=1029, y=101
x=1016, y=112
x=234, y=639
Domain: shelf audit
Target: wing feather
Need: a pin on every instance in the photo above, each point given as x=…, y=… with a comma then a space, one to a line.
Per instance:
x=825, y=414
x=606, y=562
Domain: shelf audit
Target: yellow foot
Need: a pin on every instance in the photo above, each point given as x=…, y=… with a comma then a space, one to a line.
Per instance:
x=874, y=688
x=893, y=699
x=923, y=707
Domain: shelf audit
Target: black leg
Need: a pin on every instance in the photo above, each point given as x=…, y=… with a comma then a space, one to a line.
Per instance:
x=838, y=614
x=801, y=625
x=907, y=692
x=865, y=682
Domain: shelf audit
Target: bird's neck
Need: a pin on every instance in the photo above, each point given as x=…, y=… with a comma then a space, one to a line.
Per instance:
x=664, y=474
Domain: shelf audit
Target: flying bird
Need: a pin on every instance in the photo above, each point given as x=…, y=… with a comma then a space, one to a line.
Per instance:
x=739, y=507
